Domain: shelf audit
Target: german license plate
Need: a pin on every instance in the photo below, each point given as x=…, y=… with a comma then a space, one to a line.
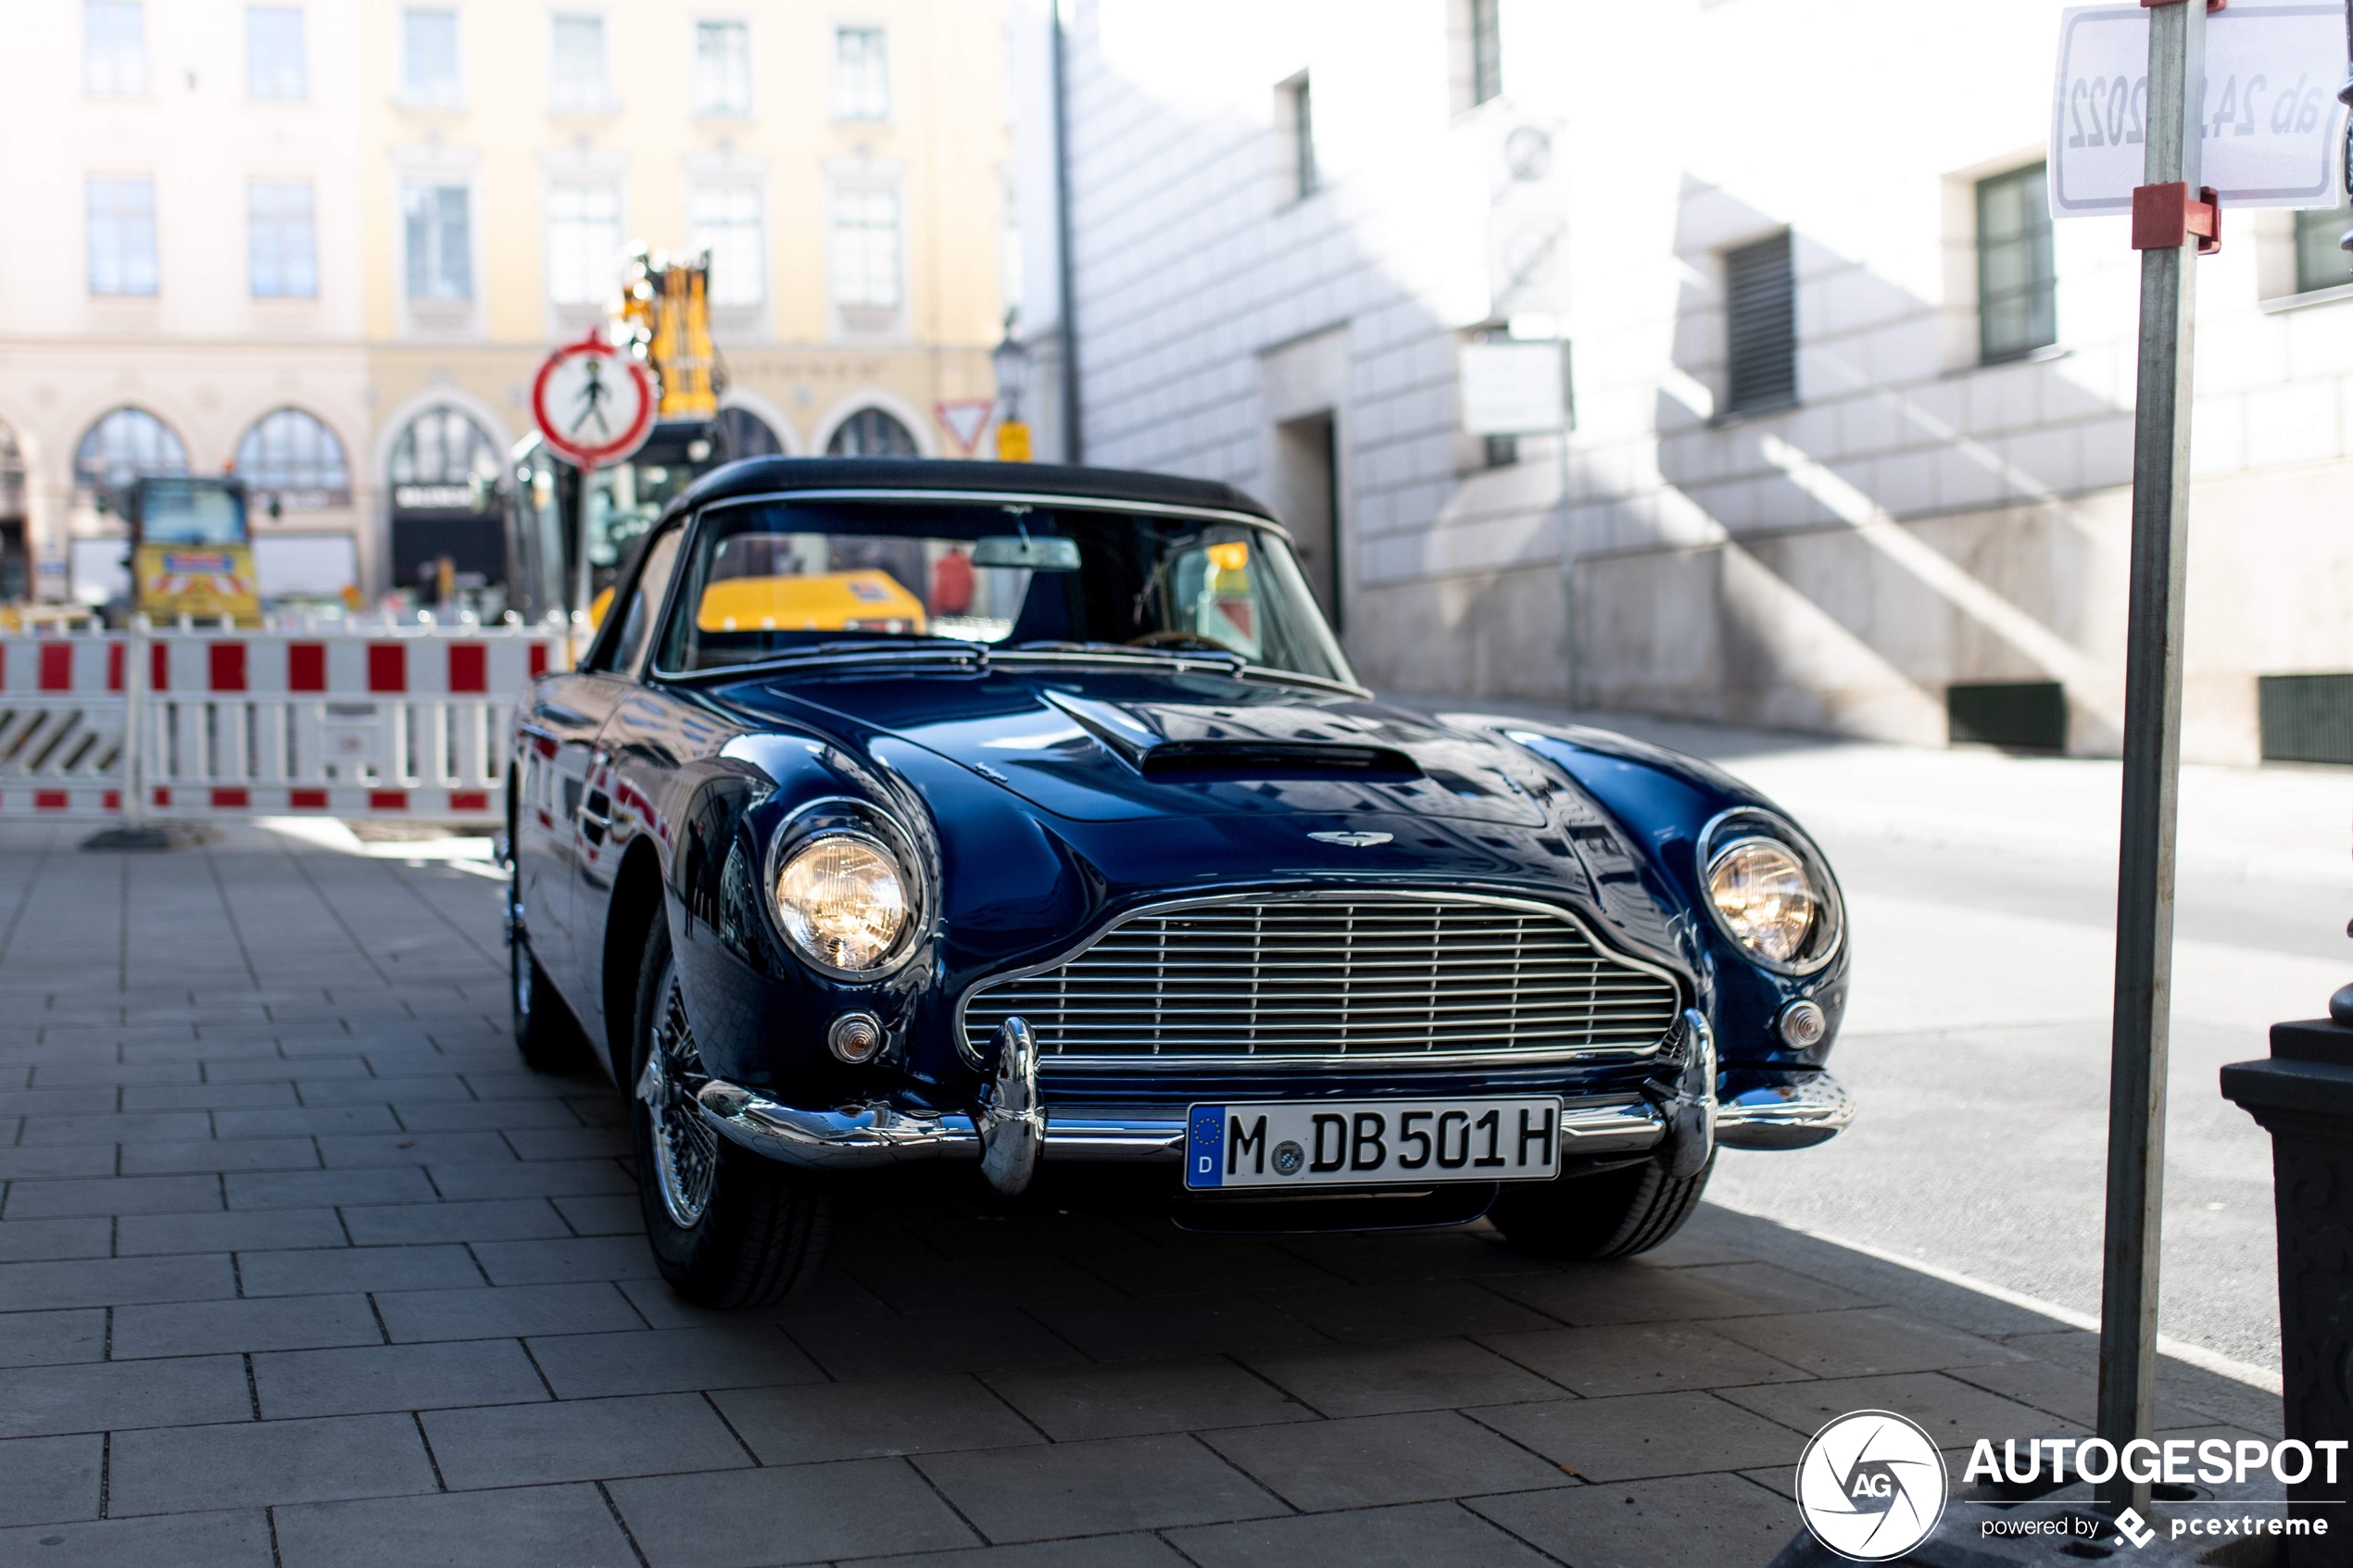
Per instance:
x=1372, y=1142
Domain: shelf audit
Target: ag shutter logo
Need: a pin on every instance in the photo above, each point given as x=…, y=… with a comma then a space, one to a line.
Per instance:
x=1870, y=1486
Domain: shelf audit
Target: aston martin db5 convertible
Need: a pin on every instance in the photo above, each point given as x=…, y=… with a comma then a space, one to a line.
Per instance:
x=1031, y=816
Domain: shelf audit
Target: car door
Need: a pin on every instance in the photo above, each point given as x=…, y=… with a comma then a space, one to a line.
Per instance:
x=595, y=857
x=560, y=726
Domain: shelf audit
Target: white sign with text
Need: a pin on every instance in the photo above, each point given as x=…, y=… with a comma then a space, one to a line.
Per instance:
x=2271, y=121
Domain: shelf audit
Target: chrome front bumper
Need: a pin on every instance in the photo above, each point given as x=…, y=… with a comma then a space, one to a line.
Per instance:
x=855, y=1137
x=1798, y=1112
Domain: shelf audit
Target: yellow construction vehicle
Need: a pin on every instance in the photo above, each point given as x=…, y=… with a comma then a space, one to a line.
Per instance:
x=191, y=552
x=569, y=533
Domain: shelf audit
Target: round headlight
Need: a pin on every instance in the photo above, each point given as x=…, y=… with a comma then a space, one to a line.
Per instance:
x=842, y=900
x=1767, y=901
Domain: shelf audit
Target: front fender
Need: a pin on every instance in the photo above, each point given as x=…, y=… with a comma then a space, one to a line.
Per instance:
x=1662, y=799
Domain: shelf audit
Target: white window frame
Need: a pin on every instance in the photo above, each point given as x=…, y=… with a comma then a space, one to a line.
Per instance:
x=89, y=238
x=598, y=281
x=301, y=54
x=120, y=84
x=449, y=95
x=597, y=99
x=439, y=165
x=758, y=299
x=251, y=253
x=707, y=108
x=861, y=320
x=846, y=111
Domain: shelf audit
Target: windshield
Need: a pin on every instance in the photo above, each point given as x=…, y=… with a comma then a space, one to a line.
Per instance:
x=188, y=511
x=784, y=577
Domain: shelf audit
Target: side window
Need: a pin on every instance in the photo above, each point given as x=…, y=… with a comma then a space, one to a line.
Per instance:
x=628, y=653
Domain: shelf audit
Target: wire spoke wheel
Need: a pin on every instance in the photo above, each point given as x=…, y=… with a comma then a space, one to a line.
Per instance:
x=686, y=1147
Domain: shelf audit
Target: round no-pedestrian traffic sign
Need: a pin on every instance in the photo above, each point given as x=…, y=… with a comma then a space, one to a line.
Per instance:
x=594, y=404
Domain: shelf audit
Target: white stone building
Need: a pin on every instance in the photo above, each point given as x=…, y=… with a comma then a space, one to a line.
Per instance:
x=1905, y=516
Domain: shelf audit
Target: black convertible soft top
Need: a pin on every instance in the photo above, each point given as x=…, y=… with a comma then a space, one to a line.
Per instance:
x=758, y=476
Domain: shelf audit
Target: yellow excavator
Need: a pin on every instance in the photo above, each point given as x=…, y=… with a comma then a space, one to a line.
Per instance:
x=569, y=533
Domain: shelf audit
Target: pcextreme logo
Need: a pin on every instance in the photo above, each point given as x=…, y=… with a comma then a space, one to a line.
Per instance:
x=1871, y=1486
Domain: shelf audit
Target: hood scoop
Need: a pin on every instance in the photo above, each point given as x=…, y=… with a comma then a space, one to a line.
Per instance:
x=1237, y=758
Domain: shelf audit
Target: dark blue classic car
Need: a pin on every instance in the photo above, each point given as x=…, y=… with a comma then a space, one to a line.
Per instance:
x=1016, y=815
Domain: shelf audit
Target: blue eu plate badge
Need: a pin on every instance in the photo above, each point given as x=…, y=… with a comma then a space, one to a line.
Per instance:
x=1205, y=1148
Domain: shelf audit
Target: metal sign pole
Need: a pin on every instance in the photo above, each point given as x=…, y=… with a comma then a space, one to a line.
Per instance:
x=2152, y=756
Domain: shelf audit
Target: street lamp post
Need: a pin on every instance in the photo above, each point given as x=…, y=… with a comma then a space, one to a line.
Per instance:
x=2345, y=95
x=1010, y=360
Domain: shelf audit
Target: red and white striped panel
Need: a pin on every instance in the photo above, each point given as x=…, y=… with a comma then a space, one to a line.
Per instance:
x=290, y=800
x=60, y=666
x=30, y=798
x=297, y=666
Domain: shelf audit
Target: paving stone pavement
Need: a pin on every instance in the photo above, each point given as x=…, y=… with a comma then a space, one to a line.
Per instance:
x=298, y=1266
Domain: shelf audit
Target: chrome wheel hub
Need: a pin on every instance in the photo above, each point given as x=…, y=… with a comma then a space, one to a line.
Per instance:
x=686, y=1147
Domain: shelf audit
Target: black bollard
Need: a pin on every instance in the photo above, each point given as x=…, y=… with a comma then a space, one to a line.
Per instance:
x=2303, y=1097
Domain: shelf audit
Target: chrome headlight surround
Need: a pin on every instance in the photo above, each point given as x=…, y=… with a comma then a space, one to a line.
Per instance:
x=1726, y=831
x=843, y=817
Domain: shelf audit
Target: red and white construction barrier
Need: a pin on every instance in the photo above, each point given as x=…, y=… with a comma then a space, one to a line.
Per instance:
x=402, y=722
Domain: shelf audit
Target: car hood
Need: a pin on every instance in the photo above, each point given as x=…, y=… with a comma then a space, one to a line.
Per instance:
x=1095, y=744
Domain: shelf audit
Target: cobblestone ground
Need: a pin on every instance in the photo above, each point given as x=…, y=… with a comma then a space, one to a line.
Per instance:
x=299, y=1266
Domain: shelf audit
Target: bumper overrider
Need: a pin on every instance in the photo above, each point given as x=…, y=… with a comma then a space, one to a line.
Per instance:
x=1681, y=1121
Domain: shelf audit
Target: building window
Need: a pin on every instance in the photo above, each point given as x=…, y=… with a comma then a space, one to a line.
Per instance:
x=298, y=459
x=429, y=57
x=273, y=53
x=114, y=49
x=725, y=220
x=723, y=69
x=862, y=73
x=1760, y=321
x=870, y=433
x=1486, y=52
x=2319, y=263
x=866, y=250
x=742, y=433
x=122, y=236
x=125, y=445
x=440, y=241
x=283, y=239
x=2017, y=296
x=443, y=461
x=583, y=242
x=578, y=82
x=1300, y=105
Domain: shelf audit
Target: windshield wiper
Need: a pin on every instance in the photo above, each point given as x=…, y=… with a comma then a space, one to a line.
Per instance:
x=1236, y=664
x=864, y=650
x=1124, y=650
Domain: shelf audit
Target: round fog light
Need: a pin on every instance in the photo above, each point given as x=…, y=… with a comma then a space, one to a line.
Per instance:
x=856, y=1036
x=1804, y=1023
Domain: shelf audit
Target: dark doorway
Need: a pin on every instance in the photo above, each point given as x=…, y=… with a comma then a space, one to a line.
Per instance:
x=1307, y=496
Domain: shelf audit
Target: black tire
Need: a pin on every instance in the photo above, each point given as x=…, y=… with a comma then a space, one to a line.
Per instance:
x=545, y=1033
x=1615, y=1214
x=758, y=1235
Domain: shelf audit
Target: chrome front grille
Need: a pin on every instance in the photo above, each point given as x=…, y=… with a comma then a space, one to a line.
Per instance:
x=1362, y=976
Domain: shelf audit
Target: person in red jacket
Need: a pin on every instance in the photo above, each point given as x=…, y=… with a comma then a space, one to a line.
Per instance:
x=952, y=584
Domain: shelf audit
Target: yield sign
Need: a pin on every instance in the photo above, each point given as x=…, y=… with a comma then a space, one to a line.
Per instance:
x=963, y=420
x=594, y=404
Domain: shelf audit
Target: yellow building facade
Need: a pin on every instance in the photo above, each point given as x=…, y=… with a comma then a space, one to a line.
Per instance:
x=325, y=243
x=845, y=169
